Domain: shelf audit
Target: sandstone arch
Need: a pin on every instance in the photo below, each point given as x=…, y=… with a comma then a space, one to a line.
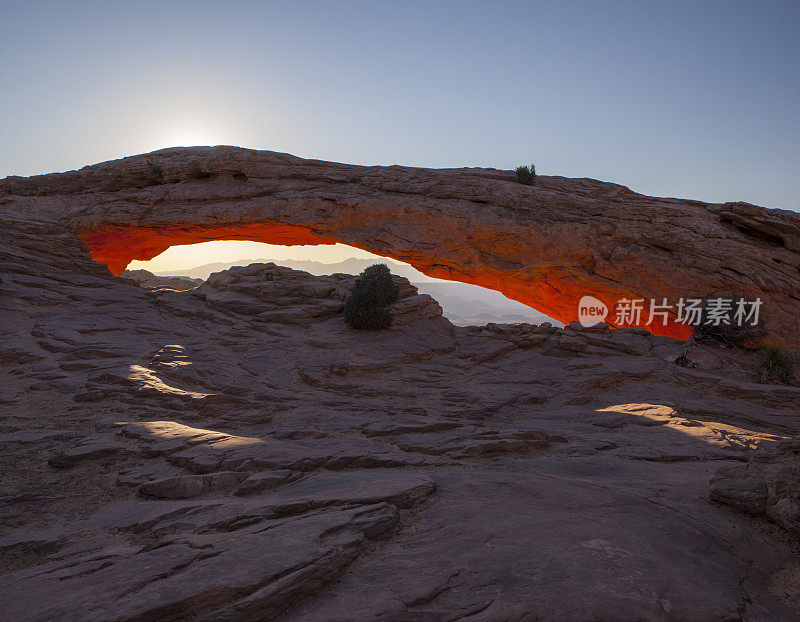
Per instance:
x=546, y=246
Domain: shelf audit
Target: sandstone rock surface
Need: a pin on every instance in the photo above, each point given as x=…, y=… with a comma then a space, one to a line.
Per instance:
x=545, y=245
x=235, y=452
x=768, y=485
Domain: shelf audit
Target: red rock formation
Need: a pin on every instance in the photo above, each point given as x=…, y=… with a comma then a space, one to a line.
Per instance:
x=545, y=245
x=117, y=246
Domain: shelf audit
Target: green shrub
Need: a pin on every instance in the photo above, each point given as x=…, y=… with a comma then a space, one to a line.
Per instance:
x=732, y=335
x=155, y=172
x=526, y=175
x=776, y=365
x=365, y=307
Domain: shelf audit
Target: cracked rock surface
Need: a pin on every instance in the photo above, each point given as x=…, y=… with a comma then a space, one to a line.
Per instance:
x=234, y=452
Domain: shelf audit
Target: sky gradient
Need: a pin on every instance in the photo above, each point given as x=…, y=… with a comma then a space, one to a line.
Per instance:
x=691, y=99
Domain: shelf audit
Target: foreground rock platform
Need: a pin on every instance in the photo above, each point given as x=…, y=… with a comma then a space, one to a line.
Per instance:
x=235, y=452
x=546, y=245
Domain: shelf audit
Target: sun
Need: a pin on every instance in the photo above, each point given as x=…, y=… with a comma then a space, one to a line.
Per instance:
x=192, y=128
x=191, y=138
x=196, y=134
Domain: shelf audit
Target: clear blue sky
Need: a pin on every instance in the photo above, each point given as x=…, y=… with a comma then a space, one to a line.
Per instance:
x=693, y=99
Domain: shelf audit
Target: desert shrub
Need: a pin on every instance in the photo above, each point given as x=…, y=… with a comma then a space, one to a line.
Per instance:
x=731, y=335
x=776, y=365
x=526, y=175
x=366, y=306
x=154, y=171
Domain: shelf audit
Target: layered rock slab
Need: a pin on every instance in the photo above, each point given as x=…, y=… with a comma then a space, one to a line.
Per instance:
x=534, y=544
x=767, y=486
x=255, y=571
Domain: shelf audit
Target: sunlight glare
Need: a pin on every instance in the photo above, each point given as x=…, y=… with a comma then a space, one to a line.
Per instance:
x=191, y=255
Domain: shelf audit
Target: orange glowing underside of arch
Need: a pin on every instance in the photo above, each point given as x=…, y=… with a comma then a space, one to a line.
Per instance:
x=555, y=294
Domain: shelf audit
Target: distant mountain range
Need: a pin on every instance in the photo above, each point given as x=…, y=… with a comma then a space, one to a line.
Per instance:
x=155, y=281
x=463, y=304
x=470, y=305
x=348, y=266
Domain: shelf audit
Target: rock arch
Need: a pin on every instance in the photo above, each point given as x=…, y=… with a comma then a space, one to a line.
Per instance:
x=545, y=245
